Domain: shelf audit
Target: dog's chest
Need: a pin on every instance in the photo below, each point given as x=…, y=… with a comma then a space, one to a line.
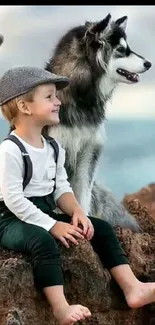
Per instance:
x=73, y=139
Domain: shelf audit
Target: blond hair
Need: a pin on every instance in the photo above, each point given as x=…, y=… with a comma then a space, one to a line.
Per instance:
x=10, y=109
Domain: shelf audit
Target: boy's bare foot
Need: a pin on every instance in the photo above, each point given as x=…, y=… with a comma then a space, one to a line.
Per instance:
x=141, y=294
x=68, y=315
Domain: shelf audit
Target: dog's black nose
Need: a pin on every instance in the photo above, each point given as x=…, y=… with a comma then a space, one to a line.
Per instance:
x=147, y=64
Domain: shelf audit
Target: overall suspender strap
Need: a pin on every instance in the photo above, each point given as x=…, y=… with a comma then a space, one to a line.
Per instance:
x=28, y=168
x=55, y=146
x=27, y=161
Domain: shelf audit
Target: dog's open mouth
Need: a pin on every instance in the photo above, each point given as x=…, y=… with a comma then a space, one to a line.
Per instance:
x=133, y=77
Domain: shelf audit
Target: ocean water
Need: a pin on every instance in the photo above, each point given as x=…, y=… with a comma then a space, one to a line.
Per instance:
x=128, y=159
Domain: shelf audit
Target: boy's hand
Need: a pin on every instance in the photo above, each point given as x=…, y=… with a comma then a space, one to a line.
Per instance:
x=79, y=217
x=64, y=230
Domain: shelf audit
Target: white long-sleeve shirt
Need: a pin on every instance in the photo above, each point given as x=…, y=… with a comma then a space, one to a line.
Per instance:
x=41, y=183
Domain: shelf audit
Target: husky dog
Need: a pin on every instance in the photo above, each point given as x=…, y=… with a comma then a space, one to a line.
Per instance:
x=96, y=57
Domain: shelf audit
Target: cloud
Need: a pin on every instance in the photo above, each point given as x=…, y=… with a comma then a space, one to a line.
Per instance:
x=134, y=101
x=30, y=27
x=31, y=33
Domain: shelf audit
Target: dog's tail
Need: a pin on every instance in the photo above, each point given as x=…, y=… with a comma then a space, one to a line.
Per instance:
x=105, y=206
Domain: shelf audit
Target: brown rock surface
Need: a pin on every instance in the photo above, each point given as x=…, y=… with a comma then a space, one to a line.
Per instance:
x=87, y=282
x=146, y=197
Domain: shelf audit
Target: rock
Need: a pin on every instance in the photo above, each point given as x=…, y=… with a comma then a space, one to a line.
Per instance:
x=86, y=281
x=146, y=197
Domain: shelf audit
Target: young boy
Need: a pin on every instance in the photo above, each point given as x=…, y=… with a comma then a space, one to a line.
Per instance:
x=27, y=222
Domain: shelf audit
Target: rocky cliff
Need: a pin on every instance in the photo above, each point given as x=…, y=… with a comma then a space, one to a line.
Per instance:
x=87, y=282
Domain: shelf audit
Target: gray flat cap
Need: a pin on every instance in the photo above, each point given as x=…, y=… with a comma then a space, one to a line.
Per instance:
x=19, y=80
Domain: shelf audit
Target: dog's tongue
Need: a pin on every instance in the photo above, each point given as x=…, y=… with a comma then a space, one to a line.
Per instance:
x=134, y=77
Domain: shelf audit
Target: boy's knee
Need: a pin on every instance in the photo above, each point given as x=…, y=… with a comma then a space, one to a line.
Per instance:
x=108, y=227
x=102, y=226
x=41, y=240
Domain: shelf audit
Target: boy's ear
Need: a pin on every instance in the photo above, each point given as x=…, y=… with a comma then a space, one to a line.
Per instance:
x=23, y=108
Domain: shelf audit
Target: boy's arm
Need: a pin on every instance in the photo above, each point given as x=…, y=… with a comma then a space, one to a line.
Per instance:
x=63, y=195
x=11, y=185
x=68, y=204
x=61, y=179
x=66, y=200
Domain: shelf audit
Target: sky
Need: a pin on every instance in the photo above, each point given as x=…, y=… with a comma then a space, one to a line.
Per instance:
x=31, y=33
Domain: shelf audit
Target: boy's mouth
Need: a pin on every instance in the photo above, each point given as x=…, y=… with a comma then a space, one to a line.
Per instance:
x=55, y=111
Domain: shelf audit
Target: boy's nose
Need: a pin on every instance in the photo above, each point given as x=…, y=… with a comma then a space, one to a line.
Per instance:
x=58, y=102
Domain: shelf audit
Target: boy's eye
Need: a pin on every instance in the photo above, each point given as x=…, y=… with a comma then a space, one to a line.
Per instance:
x=52, y=96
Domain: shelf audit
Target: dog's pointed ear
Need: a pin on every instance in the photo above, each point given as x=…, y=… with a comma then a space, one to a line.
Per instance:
x=100, y=26
x=122, y=22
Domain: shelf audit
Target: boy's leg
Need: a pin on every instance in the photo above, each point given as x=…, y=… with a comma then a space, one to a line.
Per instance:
x=45, y=260
x=113, y=257
x=104, y=241
x=40, y=245
x=106, y=244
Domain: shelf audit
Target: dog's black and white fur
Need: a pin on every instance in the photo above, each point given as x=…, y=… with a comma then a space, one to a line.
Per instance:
x=96, y=57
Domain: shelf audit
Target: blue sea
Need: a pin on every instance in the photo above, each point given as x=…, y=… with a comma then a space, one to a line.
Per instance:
x=128, y=161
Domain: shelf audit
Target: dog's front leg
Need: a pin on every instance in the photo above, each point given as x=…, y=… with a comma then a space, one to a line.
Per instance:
x=83, y=177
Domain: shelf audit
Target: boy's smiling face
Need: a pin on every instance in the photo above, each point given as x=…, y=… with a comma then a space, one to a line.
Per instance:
x=45, y=106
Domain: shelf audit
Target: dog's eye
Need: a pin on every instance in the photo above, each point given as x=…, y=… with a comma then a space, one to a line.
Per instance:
x=121, y=50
